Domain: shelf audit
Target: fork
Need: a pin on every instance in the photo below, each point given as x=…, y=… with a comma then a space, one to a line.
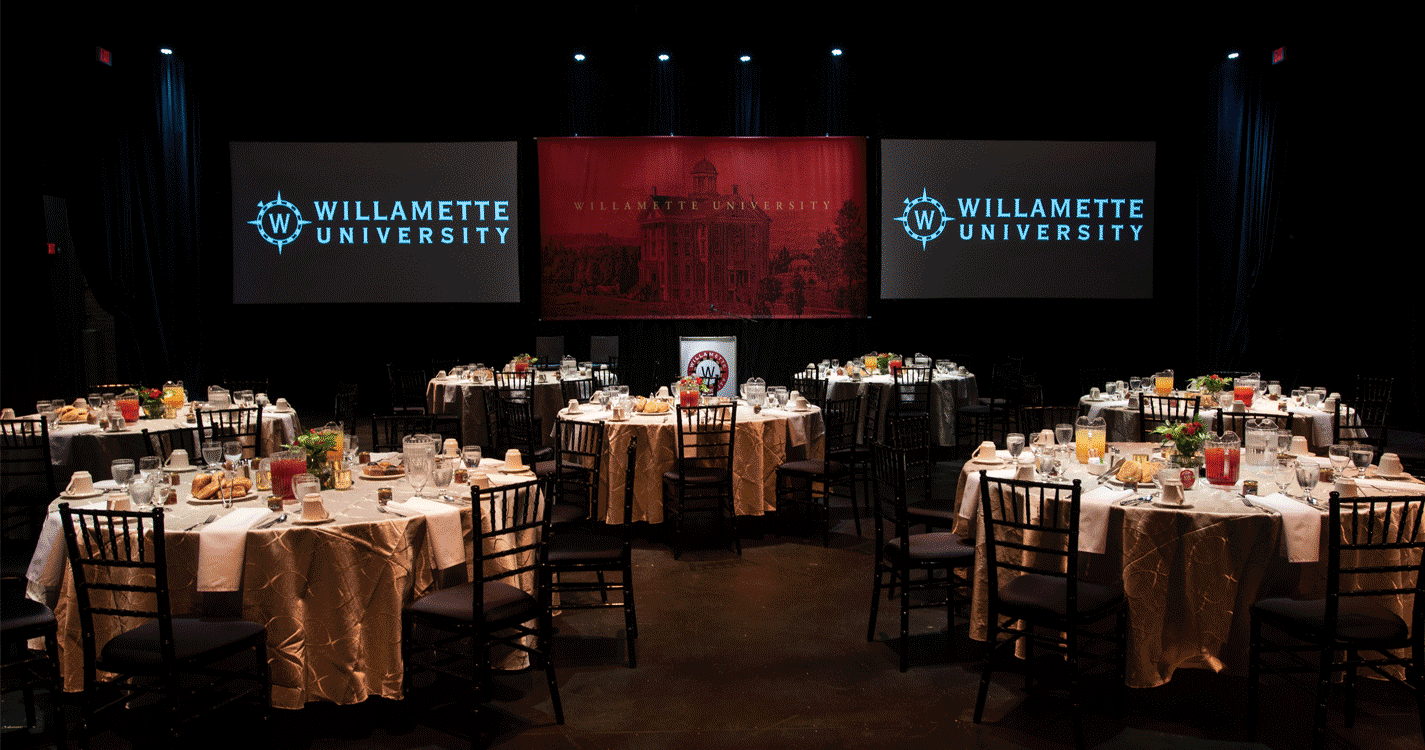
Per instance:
x=204, y=522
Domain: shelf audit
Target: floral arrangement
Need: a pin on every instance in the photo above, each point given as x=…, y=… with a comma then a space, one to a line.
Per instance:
x=526, y=358
x=694, y=381
x=316, y=445
x=1187, y=437
x=150, y=400
x=1209, y=383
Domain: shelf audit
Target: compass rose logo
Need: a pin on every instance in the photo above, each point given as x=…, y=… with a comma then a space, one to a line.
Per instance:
x=278, y=221
x=929, y=220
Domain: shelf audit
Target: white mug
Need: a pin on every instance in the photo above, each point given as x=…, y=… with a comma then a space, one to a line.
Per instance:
x=282, y=405
x=573, y=406
x=7, y=413
x=800, y=402
x=1346, y=487
x=178, y=459
x=312, y=508
x=480, y=479
x=120, y=501
x=513, y=460
x=451, y=447
x=986, y=451
x=1389, y=464
x=81, y=483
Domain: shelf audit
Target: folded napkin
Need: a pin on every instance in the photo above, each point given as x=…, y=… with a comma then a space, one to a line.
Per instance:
x=1093, y=517
x=46, y=570
x=1414, y=488
x=222, y=547
x=1300, y=522
x=446, y=537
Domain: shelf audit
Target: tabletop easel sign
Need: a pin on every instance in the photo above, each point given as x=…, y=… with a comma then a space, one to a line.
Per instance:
x=712, y=358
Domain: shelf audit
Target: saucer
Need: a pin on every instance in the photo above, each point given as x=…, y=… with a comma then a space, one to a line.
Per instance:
x=521, y=470
x=313, y=522
x=996, y=461
x=1401, y=475
x=1157, y=504
x=182, y=470
x=96, y=492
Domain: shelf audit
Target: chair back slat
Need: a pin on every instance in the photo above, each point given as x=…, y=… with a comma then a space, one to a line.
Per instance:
x=243, y=424
x=513, y=530
x=706, y=436
x=810, y=386
x=1375, y=548
x=1156, y=410
x=1030, y=527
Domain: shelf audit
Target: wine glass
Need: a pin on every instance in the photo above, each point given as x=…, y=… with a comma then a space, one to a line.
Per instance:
x=148, y=468
x=232, y=452
x=1283, y=474
x=122, y=471
x=1340, y=455
x=471, y=455
x=212, y=453
x=305, y=484
x=141, y=495
x=1307, y=476
x=1015, y=443
x=441, y=473
x=418, y=471
x=1361, y=457
x=1283, y=441
x=1063, y=433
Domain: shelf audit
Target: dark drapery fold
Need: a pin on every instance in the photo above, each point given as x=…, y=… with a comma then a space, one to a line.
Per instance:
x=1239, y=199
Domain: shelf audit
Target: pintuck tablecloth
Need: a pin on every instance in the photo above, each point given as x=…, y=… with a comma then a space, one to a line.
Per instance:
x=85, y=447
x=466, y=399
x=1190, y=575
x=330, y=594
x=947, y=393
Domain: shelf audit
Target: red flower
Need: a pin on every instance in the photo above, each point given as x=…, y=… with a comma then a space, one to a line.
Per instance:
x=1191, y=429
x=155, y=393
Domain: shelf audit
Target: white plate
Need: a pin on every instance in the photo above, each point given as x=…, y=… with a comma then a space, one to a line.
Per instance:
x=215, y=499
x=988, y=462
x=521, y=470
x=1183, y=506
x=183, y=470
x=82, y=495
x=363, y=475
x=305, y=522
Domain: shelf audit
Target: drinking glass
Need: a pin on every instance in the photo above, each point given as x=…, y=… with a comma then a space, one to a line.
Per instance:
x=305, y=484
x=441, y=473
x=471, y=455
x=141, y=495
x=232, y=452
x=96, y=402
x=148, y=467
x=1307, y=475
x=122, y=471
x=780, y=393
x=1361, y=457
x=1063, y=433
x=1340, y=455
x=212, y=453
x=418, y=471
x=1015, y=442
x=1283, y=474
x=1283, y=440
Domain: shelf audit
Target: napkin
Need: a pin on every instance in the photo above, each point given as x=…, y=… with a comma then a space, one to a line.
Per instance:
x=1300, y=522
x=446, y=536
x=46, y=569
x=970, y=501
x=222, y=546
x=1093, y=517
x=1414, y=488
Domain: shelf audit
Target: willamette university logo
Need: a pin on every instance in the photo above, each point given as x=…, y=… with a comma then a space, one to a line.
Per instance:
x=711, y=367
x=929, y=220
x=279, y=222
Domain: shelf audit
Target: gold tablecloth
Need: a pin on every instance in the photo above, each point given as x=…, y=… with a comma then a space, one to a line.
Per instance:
x=466, y=399
x=1190, y=577
x=330, y=595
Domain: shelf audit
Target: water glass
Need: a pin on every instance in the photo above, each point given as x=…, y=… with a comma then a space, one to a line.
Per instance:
x=305, y=484
x=1307, y=475
x=441, y=474
x=1361, y=456
x=1015, y=443
x=1340, y=455
x=471, y=455
x=141, y=495
x=122, y=471
x=212, y=454
x=148, y=467
x=1063, y=433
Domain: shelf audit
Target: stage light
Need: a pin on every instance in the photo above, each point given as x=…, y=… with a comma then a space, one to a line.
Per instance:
x=578, y=57
x=836, y=52
x=1233, y=55
x=746, y=58
x=166, y=50
x=663, y=58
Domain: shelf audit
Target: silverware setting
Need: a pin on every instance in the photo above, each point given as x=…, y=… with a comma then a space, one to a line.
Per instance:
x=385, y=509
x=203, y=522
x=272, y=522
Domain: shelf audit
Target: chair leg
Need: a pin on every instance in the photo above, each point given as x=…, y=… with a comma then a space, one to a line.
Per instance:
x=987, y=670
x=1323, y=697
x=1349, y=688
x=1254, y=676
x=905, y=622
x=630, y=617
x=875, y=601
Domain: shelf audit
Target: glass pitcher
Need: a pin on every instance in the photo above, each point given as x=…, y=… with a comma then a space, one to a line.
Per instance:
x=1244, y=388
x=1261, y=442
x=1223, y=458
x=1090, y=438
x=1163, y=383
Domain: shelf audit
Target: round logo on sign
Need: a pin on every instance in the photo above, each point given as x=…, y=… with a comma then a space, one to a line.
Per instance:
x=711, y=367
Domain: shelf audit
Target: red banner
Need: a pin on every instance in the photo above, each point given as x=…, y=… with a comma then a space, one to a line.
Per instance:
x=672, y=227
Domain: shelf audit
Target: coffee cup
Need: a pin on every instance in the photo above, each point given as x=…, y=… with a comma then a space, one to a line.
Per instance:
x=794, y=395
x=119, y=501
x=1346, y=487
x=1171, y=481
x=451, y=447
x=986, y=451
x=1389, y=465
x=1094, y=393
x=7, y=413
x=282, y=405
x=513, y=460
x=480, y=479
x=178, y=459
x=80, y=483
x=312, y=507
x=662, y=391
x=573, y=406
x=1299, y=446
x=800, y=402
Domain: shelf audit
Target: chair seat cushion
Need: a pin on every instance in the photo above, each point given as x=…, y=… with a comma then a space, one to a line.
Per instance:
x=24, y=614
x=137, y=651
x=1359, y=620
x=504, y=604
x=814, y=467
x=932, y=515
x=569, y=549
x=699, y=476
x=937, y=547
x=1039, y=597
x=567, y=513
x=547, y=468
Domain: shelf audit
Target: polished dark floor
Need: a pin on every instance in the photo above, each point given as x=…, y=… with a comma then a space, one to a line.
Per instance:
x=768, y=650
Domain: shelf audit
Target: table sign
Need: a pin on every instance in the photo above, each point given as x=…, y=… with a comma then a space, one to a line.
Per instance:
x=713, y=358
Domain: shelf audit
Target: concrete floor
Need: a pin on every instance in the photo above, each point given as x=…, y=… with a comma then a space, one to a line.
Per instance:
x=769, y=651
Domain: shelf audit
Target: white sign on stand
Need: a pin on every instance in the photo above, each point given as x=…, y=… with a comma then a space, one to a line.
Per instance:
x=713, y=358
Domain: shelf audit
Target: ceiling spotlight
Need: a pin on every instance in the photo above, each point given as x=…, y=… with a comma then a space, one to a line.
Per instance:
x=1233, y=55
x=578, y=57
x=746, y=58
x=836, y=52
x=663, y=58
x=166, y=50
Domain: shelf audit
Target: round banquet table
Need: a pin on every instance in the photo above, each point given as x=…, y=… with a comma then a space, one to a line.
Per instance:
x=947, y=394
x=87, y=447
x=763, y=442
x=465, y=398
x=330, y=594
x=1190, y=575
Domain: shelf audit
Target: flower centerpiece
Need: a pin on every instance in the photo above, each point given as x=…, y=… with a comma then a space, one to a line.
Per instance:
x=523, y=361
x=1187, y=439
x=691, y=389
x=316, y=445
x=1212, y=386
x=150, y=400
x=888, y=362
